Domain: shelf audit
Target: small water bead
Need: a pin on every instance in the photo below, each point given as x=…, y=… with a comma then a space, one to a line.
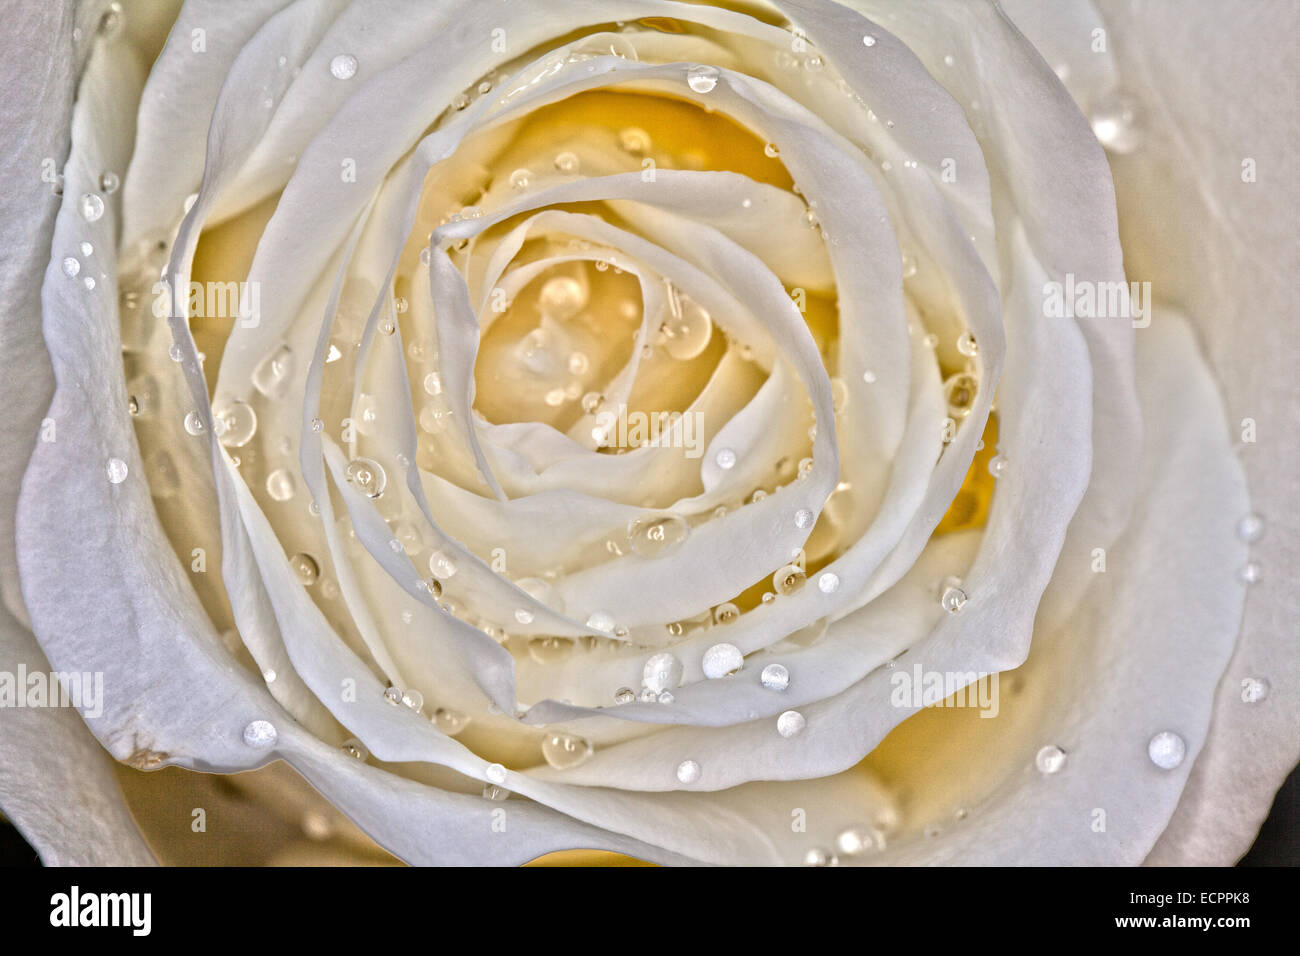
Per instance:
x=521, y=179
x=567, y=162
x=688, y=771
x=960, y=391
x=655, y=535
x=238, y=423
x=1253, y=689
x=89, y=283
x=689, y=327
x=355, y=749
x=1115, y=123
x=111, y=20
x=71, y=267
x=434, y=587
x=856, y=841
x=343, y=66
x=757, y=496
x=790, y=723
x=413, y=700
x=561, y=298
x=91, y=207
x=868, y=40
x=495, y=773
x=280, y=485
x=803, y=518
x=789, y=579
x=624, y=695
x=565, y=751
x=305, y=567
x=725, y=459
x=441, y=565
x=818, y=857
x=194, y=423
x=869, y=377
x=771, y=150
x=702, y=79
x=953, y=599
x=579, y=364
x=133, y=405
x=591, y=401
x=909, y=270
x=86, y=248
x=768, y=597
x=1049, y=759
x=722, y=660
x=109, y=181
x=725, y=613
x=931, y=341
x=271, y=374
x=116, y=470
x=665, y=697
x=393, y=695
x=662, y=672
x=775, y=677
x=367, y=476
x=1250, y=528
x=634, y=140
x=1251, y=573
x=997, y=466
x=967, y=345
x=317, y=425
x=805, y=467
x=601, y=621
x=828, y=583
x=450, y=722
x=260, y=734
x=555, y=397
x=1167, y=750
x=550, y=650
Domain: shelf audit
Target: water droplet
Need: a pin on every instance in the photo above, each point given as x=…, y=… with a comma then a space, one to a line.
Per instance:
x=1251, y=573
x=567, y=162
x=1050, y=759
x=803, y=518
x=238, y=423
x=565, y=751
x=521, y=179
x=1115, y=123
x=1250, y=528
x=771, y=150
x=662, y=672
x=805, y=467
x=1253, y=689
x=450, y=722
x=688, y=328
x=413, y=700
x=624, y=695
x=343, y=66
x=194, y=423
x=817, y=857
x=997, y=466
x=71, y=267
x=967, y=345
x=317, y=425
x=133, y=405
x=280, y=485
x=116, y=469
x=775, y=677
x=441, y=565
x=260, y=734
x=868, y=40
x=953, y=599
x=722, y=660
x=601, y=621
x=702, y=79
x=790, y=723
x=788, y=579
x=111, y=20
x=857, y=841
x=393, y=695
x=688, y=771
x=495, y=773
x=869, y=377
x=725, y=613
x=89, y=283
x=367, y=476
x=1167, y=750
x=268, y=675
x=725, y=459
x=271, y=374
x=355, y=749
x=305, y=566
x=828, y=583
x=109, y=181
x=91, y=206
x=654, y=535
x=634, y=140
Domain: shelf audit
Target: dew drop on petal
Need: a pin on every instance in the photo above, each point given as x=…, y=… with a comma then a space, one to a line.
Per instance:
x=702, y=79
x=601, y=621
x=688, y=771
x=450, y=722
x=1250, y=528
x=722, y=660
x=260, y=734
x=1049, y=759
x=1251, y=573
x=662, y=672
x=624, y=695
x=1253, y=689
x=343, y=66
x=91, y=207
x=788, y=579
x=305, y=567
x=355, y=749
x=997, y=466
x=194, y=423
x=71, y=267
x=280, y=485
x=725, y=459
x=565, y=751
x=567, y=162
x=441, y=565
x=790, y=723
x=495, y=773
x=367, y=476
x=725, y=613
x=868, y=40
x=238, y=423
x=271, y=374
x=803, y=518
x=828, y=583
x=116, y=470
x=953, y=599
x=1167, y=750
x=775, y=677
x=1116, y=124
x=521, y=179
x=654, y=535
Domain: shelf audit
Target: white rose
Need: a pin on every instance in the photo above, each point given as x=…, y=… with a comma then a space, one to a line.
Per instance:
x=399, y=550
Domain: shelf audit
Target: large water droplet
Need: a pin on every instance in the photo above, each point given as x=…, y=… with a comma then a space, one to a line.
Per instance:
x=367, y=476
x=788, y=579
x=343, y=66
x=1167, y=750
x=260, y=734
x=790, y=723
x=562, y=297
x=280, y=485
x=1050, y=759
x=722, y=660
x=305, y=566
x=653, y=535
x=272, y=373
x=1250, y=528
x=662, y=672
x=775, y=677
x=116, y=470
x=441, y=565
x=565, y=751
x=450, y=722
x=688, y=327
x=91, y=207
x=1253, y=689
x=238, y=423
x=702, y=79
x=688, y=771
